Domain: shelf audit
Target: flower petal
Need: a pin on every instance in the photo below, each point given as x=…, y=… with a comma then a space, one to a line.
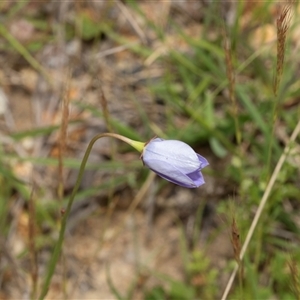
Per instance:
x=197, y=178
x=176, y=153
x=203, y=161
x=172, y=174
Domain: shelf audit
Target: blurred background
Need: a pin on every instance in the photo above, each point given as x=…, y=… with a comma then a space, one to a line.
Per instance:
x=222, y=76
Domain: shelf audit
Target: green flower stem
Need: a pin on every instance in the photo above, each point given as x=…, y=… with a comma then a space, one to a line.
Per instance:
x=57, y=250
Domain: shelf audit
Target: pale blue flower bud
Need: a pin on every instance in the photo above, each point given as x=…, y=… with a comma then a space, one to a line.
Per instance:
x=175, y=161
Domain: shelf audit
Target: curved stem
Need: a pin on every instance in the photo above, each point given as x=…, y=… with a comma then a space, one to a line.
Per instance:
x=58, y=246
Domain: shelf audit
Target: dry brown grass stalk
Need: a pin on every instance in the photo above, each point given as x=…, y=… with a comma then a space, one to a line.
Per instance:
x=63, y=136
x=106, y=115
x=235, y=240
x=283, y=24
x=231, y=81
x=295, y=283
x=236, y=244
x=61, y=153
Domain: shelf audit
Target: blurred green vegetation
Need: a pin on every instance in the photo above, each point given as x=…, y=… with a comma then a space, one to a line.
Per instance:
x=194, y=87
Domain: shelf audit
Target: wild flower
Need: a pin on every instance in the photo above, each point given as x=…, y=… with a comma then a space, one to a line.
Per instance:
x=174, y=161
